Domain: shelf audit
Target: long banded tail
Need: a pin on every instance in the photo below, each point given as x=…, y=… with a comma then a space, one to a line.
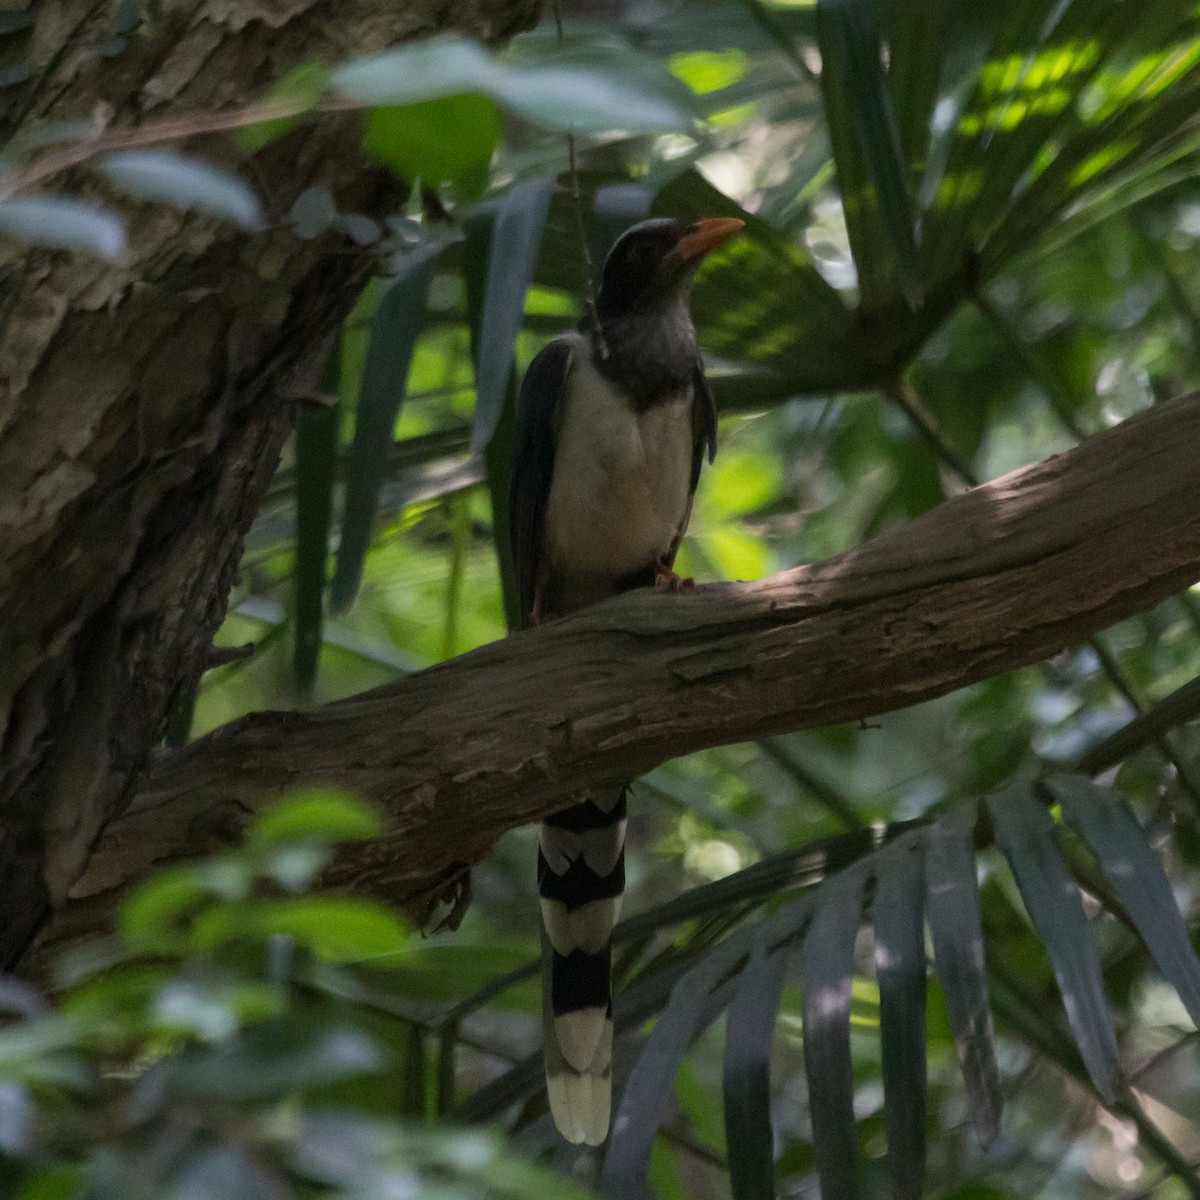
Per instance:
x=581, y=879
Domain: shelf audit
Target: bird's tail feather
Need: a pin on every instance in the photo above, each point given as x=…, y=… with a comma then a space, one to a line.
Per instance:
x=581, y=879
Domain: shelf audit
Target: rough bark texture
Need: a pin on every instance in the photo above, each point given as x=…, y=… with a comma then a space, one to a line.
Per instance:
x=992, y=580
x=142, y=408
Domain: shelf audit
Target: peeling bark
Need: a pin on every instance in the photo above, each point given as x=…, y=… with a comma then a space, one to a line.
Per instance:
x=141, y=409
x=997, y=578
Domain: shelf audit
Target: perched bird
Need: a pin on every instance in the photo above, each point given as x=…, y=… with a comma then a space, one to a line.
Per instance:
x=612, y=427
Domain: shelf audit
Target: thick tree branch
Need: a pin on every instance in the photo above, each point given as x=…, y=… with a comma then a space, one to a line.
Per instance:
x=990, y=581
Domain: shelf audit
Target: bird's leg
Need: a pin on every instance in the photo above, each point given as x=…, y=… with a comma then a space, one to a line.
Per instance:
x=665, y=577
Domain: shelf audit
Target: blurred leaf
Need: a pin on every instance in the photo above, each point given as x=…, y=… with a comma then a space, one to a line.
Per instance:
x=1135, y=874
x=315, y=813
x=917, y=36
x=749, y=1032
x=952, y=904
x=866, y=148
x=449, y=140
x=60, y=223
x=394, y=329
x=303, y=85
x=59, y=1182
x=184, y=182
x=225, y=1172
x=826, y=972
x=313, y=211
x=512, y=253
x=150, y=918
x=1025, y=833
x=588, y=88
x=335, y=928
x=898, y=909
x=316, y=464
x=267, y=1060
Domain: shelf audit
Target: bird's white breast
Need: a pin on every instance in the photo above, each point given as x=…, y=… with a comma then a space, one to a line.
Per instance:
x=621, y=478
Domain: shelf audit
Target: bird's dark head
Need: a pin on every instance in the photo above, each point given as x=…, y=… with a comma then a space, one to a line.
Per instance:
x=651, y=263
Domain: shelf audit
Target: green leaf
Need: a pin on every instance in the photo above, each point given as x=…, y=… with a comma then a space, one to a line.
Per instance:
x=749, y=1030
x=760, y=300
x=60, y=223
x=63, y=1181
x=152, y=917
x=918, y=36
x=1025, y=833
x=1136, y=876
x=394, y=329
x=304, y=86
x=316, y=813
x=952, y=905
x=334, y=928
x=449, y=140
x=899, y=909
x=826, y=973
x=866, y=149
x=480, y=227
x=316, y=465
x=184, y=182
x=512, y=255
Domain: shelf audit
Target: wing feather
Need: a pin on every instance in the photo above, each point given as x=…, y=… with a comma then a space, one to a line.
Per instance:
x=539, y=411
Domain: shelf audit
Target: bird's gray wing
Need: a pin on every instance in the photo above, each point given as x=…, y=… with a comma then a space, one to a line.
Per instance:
x=538, y=417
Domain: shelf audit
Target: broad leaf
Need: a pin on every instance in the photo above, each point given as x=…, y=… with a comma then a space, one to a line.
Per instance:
x=899, y=908
x=316, y=465
x=394, y=329
x=826, y=972
x=516, y=235
x=1136, y=875
x=866, y=149
x=952, y=905
x=749, y=1033
x=1025, y=833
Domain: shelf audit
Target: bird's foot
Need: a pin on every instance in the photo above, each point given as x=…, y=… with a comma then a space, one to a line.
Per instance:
x=666, y=579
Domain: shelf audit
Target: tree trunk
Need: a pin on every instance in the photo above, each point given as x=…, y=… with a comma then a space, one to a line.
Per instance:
x=143, y=407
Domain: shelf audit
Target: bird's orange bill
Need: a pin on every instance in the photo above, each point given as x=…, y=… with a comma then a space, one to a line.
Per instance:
x=706, y=235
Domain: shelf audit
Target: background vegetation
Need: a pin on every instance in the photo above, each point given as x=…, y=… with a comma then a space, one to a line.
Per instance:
x=973, y=234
